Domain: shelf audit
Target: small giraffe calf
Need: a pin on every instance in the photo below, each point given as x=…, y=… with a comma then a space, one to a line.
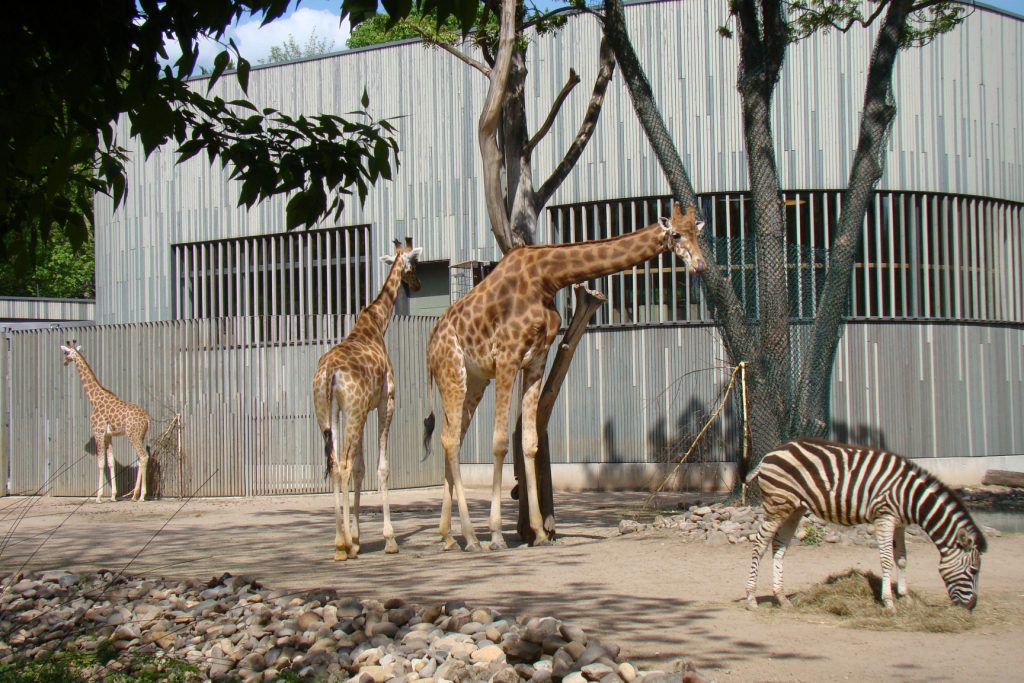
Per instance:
x=111, y=417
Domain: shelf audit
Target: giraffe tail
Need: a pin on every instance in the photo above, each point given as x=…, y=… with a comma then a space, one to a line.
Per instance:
x=428, y=422
x=329, y=433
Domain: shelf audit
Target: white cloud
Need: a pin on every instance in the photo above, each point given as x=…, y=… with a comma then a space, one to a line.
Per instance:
x=254, y=41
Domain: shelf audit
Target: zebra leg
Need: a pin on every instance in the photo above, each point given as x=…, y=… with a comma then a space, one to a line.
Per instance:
x=764, y=535
x=885, y=527
x=779, y=544
x=899, y=546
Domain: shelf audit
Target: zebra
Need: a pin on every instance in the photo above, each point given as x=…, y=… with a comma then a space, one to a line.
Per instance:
x=846, y=484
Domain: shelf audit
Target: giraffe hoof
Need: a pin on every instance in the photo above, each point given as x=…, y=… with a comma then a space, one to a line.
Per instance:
x=390, y=547
x=541, y=542
x=472, y=547
x=498, y=545
x=340, y=555
x=449, y=544
x=353, y=552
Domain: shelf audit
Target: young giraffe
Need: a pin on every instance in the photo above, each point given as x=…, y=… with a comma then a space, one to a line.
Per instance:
x=506, y=324
x=111, y=417
x=352, y=379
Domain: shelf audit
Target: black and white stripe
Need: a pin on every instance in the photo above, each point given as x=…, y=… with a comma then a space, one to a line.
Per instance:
x=849, y=485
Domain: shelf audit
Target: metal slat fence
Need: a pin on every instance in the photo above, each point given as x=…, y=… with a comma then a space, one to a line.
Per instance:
x=634, y=395
x=247, y=417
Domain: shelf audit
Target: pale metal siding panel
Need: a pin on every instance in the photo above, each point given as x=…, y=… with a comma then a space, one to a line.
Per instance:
x=930, y=390
x=960, y=129
x=632, y=395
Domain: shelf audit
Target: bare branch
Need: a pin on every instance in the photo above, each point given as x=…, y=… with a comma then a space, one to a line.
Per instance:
x=587, y=126
x=487, y=127
x=459, y=54
x=573, y=81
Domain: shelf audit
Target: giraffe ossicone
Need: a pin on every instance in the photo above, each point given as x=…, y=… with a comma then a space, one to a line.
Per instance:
x=111, y=417
x=353, y=378
x=504, y=326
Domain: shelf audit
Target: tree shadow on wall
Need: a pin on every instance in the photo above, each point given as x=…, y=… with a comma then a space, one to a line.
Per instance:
x=860, y=435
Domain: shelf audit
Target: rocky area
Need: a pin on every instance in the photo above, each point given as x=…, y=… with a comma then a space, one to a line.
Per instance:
x=232, y=628
x=720, y=523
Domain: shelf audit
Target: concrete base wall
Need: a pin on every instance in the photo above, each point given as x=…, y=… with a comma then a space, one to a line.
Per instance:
x=963, y=471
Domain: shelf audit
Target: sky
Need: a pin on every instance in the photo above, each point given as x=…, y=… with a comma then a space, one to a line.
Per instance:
x=321, y=17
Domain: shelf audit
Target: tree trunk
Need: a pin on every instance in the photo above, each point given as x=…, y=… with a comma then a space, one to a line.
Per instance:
x=727, y=310
x=763, y=40
x=1004, y=478
x=811, y=414
x=587, y=301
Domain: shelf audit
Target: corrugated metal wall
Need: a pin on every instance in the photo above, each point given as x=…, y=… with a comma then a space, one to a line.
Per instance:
x=246, y=411
x=632, y=395
x=959, y=130
x=32, y=309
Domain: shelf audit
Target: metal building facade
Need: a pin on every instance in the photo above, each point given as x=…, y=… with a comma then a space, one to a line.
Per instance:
x=959, y=130
x=931, y=365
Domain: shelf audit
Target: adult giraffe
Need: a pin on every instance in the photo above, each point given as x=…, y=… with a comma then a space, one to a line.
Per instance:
x=111, y=417
x=506, y=324
x=352, y=379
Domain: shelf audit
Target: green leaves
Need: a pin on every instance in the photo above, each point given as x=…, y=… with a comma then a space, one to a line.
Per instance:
x=317, y=160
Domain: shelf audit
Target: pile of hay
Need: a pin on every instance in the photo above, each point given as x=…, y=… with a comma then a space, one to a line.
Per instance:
x=853, y=597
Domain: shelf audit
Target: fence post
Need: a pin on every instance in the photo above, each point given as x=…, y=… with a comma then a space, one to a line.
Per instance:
x=5, y=422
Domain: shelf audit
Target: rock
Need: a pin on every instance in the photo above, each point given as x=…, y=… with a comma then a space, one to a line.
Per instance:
x=539, y=629
x=561, y=664
x=489, y=653
x=596, y=671
x=627, y=672
x=571, y=633
x=574, y=677
x=521, y=650
x=629, y=526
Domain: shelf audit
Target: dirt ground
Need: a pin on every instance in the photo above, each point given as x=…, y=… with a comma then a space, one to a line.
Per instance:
x=661, y=599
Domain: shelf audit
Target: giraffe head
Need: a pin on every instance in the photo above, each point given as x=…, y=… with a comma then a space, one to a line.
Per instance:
x=71, y=351
x=681, y=230
x=408, y=258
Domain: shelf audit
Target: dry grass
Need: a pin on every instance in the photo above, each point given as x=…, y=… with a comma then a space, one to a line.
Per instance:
x=853, y=597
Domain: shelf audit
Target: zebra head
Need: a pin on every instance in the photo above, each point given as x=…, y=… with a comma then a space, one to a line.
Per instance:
x=960, y=565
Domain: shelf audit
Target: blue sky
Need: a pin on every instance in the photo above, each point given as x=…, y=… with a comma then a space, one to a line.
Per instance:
x=321, y=17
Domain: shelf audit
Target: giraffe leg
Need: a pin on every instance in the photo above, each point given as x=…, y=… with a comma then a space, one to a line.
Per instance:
x=385, y=411
x=99, y=439
x=139, y=492
x=504, y=380
x=532, y=377
x=358, y=470
x=885, y=527
x=459, y=400
x=111, y=464
x=341, y=473
x=445, y=529
x=783, y=536
x=899, y=544
x=765, y=535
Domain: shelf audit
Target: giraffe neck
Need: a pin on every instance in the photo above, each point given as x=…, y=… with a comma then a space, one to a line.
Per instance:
x=378, y=313
x=91, y=385
x=566, y=264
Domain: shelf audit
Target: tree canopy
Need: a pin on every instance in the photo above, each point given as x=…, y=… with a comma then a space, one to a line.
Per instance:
x=73, y=71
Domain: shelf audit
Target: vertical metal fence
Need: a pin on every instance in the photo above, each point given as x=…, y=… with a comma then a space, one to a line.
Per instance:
x=633, y=395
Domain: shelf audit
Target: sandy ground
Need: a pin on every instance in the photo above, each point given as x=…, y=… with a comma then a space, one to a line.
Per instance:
x=661, y=599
